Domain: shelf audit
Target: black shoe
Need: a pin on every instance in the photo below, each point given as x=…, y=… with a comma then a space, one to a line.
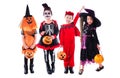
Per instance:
x=80, y=71
x=25, y=69
x=31, y=68
x=49, y=71
x=71, y=70
x=66, y=70
x=100, y=68
x=53, y=67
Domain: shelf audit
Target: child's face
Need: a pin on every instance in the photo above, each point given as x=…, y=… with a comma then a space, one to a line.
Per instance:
x=68, y=18
x=89, y=20
x=47, y=14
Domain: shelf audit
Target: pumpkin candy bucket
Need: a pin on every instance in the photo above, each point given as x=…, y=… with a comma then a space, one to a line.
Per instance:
x=29, y=54
x=98, y=58
x=61, y=55
x=47, y=40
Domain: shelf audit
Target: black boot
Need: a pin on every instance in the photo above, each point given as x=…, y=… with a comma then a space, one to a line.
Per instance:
x=48, y=68
x=25, y=65
x=31, y=65
x=31, y=68
x=71, y=70
x=25, y=69
x=53, y=67
x=66, y=70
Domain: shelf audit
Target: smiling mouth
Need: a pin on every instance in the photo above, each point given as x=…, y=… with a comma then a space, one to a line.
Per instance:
x=47, y=16
x=29, y=22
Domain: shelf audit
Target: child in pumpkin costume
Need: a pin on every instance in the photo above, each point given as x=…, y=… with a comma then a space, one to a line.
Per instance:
x=89, y=40
x=49, y=28
x=28, y=26
x=67, y=35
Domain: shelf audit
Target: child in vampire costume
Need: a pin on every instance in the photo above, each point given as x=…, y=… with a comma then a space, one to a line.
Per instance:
x=28, y=26
x=67, y=35
x=90, y=43
x=49, y=28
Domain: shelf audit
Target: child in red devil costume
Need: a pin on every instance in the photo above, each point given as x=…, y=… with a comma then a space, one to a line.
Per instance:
x=67, y=35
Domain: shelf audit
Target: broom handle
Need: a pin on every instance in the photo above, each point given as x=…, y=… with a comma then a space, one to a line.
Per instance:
x=81, y=28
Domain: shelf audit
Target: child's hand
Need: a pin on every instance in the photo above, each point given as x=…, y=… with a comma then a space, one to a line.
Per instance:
x=32, y=47
x=53, y=37
x=25, y=46
x=98, y=46
x=42, y=33
x=81, y=9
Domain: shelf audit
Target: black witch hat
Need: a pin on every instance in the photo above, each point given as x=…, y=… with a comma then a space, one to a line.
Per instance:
x=27, y=12
x=91, y=13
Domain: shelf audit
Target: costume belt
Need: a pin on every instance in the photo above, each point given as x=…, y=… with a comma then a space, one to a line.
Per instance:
x=67, y=27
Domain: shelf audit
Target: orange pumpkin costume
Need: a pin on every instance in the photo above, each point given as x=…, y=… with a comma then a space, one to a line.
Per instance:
x=28, y=26
x=29, y=40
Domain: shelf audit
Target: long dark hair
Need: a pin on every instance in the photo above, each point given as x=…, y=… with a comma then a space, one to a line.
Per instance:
x=96, y=22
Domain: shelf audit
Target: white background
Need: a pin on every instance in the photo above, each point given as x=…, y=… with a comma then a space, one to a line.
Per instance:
x=11, y=58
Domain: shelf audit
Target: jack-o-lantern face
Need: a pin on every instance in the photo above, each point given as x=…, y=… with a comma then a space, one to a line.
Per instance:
x=29, y=54
x=47, y=40
x=61, y=55
x=28, y=23
x=29, y=20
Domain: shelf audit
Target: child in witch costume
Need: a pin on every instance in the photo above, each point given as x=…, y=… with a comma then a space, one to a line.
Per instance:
x=67, y=35
x=28, y=26
x=90, y=43
x=49, y=28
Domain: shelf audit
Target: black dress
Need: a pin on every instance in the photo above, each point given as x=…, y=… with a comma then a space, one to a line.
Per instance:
x=89, y=44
